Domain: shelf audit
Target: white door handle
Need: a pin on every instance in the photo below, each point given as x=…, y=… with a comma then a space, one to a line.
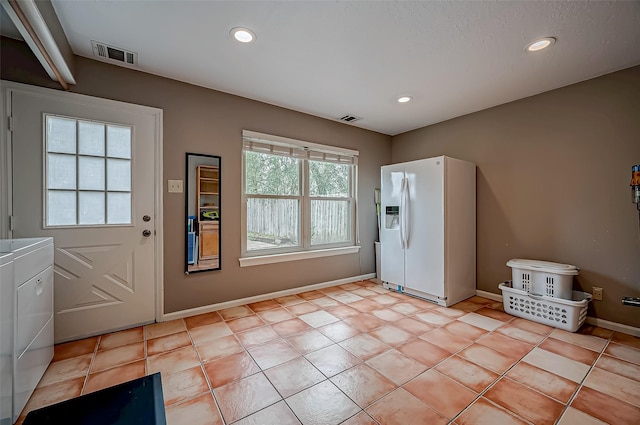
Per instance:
x=405, y=213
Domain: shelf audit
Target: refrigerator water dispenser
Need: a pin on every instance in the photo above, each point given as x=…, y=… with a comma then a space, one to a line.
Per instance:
x=392, y=217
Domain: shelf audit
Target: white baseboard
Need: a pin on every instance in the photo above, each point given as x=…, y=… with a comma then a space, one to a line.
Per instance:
x=262, y=297
x=614, y=326
x=606, y=324
x=489, y=295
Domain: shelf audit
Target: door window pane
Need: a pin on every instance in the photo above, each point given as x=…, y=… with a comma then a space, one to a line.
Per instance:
x=272, y=223
x=330, y=222
x=91, y=209
x=90, y=173
x=61, y=135
x=61, y=171
x=329, y=179
x=118, y=174
x=87, y=187
x=61, y=208
x=118, y=208
x=118, y=142
x=90, y=138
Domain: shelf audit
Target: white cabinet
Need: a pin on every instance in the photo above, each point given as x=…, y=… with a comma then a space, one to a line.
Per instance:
x=26, y=286
x=6, y=337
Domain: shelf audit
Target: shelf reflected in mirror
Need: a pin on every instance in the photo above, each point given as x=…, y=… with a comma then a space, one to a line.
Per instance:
x=203, y=213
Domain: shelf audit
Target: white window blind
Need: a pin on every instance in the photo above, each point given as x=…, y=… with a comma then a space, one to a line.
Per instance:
x=276, y=145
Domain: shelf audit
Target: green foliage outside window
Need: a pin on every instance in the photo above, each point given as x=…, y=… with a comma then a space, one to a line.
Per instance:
x=271, y=174
x=328, y=179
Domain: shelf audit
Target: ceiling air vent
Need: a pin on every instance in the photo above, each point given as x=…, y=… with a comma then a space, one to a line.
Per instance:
x=114, y=54
x=349, y=118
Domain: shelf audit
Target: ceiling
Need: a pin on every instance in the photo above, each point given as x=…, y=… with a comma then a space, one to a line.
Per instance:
x=7, y=28
x=329, y=58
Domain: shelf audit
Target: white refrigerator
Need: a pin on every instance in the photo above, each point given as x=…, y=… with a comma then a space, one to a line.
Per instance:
x=428, y=229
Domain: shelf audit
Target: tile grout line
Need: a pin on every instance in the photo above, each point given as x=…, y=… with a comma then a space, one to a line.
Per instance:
x=283, y=399
x=383, y=322
x=206, y=377
x=433, y=366
x=146, y=351
x=200, y=363
x=302, y=355
x=413, y=316
x=314, y=366
x=267, y=378
x=501, y=376
x=581, y=383
x=93, y=357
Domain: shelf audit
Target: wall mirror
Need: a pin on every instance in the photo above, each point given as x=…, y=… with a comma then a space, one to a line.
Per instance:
x=203, y=213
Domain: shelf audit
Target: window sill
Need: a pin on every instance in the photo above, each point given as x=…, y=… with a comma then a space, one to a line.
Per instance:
x=293, y=256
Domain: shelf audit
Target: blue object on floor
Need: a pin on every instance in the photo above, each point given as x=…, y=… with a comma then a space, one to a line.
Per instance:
x=191, y=247
x=135, y=402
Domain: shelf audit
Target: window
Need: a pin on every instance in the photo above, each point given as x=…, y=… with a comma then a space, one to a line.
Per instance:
x=297, y=196
x=87, y=172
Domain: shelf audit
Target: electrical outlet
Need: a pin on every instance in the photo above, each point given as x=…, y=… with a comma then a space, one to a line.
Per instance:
x=597, y=293
x=174, y=186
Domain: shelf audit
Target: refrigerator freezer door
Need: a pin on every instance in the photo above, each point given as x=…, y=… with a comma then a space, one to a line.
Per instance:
x=424, y=256
x=392, y=254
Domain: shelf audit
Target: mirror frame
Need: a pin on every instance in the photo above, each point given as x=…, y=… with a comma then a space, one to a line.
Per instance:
x=194, y=218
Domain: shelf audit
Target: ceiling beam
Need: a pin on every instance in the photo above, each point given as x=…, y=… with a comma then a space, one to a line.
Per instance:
x=35, y=31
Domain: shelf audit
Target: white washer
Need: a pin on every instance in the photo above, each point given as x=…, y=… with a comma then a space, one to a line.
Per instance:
x=31, y=325
x=6, y=337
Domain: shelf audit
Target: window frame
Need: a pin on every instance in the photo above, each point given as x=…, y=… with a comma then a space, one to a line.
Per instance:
x=304, y=249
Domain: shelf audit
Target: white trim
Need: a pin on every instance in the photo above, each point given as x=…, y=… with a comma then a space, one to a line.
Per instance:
x=92, y=334
x=489, y=295
x=8, y=87
x=159, y=216
x=606, y=324
x=294, y=256
x=5, y=165
x=257, y=298
x=614, y=326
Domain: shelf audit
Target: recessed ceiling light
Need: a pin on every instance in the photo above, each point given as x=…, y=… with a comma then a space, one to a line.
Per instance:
x=540, y=44
x=404, y=99
x=243, y=35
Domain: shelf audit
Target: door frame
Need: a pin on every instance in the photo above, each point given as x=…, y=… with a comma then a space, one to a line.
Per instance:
x=6, y=171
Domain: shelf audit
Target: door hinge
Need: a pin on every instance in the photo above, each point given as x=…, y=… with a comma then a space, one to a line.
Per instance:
x=11, y=223
x=10, y=123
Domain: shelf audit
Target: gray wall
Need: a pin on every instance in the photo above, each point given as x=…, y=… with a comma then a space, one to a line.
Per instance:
x=553, y=178
x=553, y=183
x=206, y=121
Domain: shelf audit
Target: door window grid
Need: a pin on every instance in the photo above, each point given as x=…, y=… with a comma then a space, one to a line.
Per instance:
x=87, y=172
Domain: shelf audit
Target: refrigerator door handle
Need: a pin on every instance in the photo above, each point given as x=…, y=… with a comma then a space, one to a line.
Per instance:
x=401, y=215
x=405, y=215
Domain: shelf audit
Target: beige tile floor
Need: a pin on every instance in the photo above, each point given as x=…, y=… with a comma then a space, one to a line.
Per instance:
x=359, y=354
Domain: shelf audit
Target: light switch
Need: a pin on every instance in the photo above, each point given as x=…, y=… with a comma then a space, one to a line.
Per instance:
x=175, y=186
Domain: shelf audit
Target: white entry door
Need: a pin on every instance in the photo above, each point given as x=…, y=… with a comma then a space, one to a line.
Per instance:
x=84, y=172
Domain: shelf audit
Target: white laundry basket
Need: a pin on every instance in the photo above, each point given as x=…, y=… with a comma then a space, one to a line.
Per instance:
x=557, y=312
x=543, y=277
